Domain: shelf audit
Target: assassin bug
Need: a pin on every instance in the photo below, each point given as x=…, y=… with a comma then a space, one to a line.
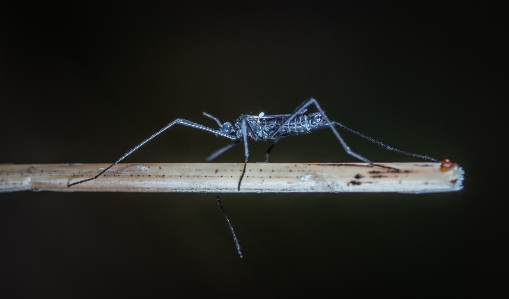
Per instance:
x=266, y=127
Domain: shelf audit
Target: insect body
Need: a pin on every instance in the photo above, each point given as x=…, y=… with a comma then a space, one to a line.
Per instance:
x=272, y=127
x=262, y=128
x=266, y=127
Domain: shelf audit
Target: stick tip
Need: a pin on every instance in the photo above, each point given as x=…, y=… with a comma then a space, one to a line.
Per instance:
x=448, y=166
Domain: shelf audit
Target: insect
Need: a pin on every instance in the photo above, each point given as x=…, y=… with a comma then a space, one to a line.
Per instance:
x=262, y=128
x=266, y=127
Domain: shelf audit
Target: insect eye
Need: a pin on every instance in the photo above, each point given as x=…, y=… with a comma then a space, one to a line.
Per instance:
x=316, y=119
x=227, y=128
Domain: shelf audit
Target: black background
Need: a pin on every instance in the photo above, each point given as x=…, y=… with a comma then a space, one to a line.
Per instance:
x=85, y=82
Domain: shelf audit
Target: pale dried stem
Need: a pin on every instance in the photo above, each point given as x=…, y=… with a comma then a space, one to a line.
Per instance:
x=224, y=177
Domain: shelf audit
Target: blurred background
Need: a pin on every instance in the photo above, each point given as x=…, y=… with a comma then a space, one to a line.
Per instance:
x=85, y=82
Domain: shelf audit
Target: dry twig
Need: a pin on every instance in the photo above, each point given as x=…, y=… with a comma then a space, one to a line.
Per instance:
x=224, y=177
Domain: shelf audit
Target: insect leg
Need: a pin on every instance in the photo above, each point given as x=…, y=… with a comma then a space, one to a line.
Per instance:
x=343, y=143
x=384, y=145
x=222, y=150
x=179, y=121
x=270, y=148
x=237, y=245
x=246, y=150
x=306, y=104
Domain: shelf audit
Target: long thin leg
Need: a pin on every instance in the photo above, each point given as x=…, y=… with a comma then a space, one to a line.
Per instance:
x=179, y=121
x=246, y=150
x=270, y=148
x=306, y=104
x=384, y=145
x=222, y=150
x=237, y=245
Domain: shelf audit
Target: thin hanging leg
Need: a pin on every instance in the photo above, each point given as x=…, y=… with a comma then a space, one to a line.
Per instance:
x=237, y=245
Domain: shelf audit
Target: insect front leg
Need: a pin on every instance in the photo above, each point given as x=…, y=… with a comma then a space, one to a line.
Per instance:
x=178, y=121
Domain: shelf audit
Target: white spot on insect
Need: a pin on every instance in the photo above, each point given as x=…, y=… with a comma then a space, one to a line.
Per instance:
x=261, y=114
x=306, y=177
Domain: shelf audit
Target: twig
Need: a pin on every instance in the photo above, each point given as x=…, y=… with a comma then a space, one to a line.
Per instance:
x=223, y=177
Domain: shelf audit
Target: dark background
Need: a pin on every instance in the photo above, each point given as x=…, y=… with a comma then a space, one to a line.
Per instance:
x=85, y=82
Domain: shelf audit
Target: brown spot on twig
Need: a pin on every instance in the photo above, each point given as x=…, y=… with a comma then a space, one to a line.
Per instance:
x=389, y=171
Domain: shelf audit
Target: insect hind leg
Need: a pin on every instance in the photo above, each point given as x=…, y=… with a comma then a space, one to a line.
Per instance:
x=386, y=147
x=311, y=101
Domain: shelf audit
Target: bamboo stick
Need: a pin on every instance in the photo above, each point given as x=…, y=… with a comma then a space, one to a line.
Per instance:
x=224, y=177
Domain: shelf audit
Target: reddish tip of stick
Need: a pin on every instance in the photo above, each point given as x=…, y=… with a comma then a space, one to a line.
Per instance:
x=446, y=165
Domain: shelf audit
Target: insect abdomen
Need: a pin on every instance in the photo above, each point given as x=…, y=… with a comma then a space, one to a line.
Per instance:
x=302, y=124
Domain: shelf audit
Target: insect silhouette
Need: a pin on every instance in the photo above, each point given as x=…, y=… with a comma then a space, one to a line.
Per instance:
x=267, y=127
x=262, y=128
